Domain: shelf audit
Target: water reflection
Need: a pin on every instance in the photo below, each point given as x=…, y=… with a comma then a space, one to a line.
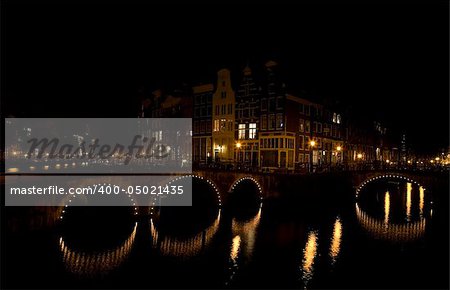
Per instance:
x=243, y=242
x=421, y=200
x=387, y=206
x=335, y=246
x=236, y=245
x=186, y=246
x=408, y=201
x=247, y=230
x=96, y=263
x=391, y=232
x=402, y=222
x=309, y=257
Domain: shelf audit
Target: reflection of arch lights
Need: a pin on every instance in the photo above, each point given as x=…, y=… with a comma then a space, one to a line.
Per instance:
x=247, y=230
x=184, y=247
x=236, y=183
x=396, y=176
x=392, y=232
x=246, y=226
x=90, y=264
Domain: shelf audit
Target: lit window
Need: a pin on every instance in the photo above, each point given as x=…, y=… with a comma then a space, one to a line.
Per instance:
x=334, y=118
x=241, y=131
x=338, y=119
x=252, y=131
x=223, y=124
x=216, y=125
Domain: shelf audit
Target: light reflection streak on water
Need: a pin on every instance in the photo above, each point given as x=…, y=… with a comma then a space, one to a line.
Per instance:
x=235, y=248
x=335, y=246
x=183, y=247
x=96, y=263
x=392, y=232
x=243, y=242
x=309, y=256
x=387, y=205
x=408, y=201
x=247, y=230
x=421, y=200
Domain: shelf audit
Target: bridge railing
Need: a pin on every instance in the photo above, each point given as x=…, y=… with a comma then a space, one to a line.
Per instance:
x=318, y=169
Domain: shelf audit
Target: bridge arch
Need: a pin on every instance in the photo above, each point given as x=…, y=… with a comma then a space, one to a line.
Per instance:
x=239, y=180
x=68, y=202
x=210, y=182
x=385, y=175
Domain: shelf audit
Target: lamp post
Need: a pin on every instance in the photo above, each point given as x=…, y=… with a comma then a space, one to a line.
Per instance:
x=238, y=146
x=312, y=143
x=359, y=156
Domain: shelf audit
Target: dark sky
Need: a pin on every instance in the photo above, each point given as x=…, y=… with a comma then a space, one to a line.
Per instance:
x=385, y=59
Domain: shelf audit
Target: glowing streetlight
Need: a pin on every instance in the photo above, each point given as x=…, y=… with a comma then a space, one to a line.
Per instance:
x=238, y=146
x=387, y=160
x=437, y=158
x=339, y=148
x=409, y=161
x=312, y=143
x=359, y=156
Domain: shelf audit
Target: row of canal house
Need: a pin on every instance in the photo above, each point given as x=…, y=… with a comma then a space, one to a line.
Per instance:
x=257, y=122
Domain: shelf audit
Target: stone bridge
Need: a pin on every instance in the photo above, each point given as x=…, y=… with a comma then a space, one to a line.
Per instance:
x=428, y=180
x=271, y=184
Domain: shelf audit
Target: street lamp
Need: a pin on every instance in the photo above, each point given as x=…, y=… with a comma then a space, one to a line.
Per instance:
x=238, y=146
x=338, y=148
x=359, y=156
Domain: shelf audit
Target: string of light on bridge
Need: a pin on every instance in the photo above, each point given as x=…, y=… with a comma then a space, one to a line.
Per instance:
x=248, y=178
x=360, y=187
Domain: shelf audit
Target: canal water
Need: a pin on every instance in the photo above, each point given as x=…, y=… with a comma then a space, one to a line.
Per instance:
x=393, y=234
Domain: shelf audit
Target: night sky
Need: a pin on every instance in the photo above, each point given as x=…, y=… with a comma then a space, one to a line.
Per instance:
x=385, y=60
